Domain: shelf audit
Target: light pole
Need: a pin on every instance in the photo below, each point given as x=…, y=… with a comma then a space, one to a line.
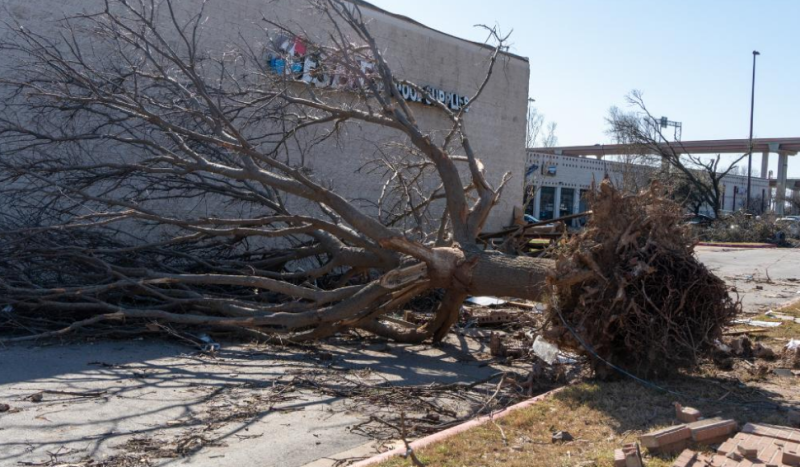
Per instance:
x=750, y=145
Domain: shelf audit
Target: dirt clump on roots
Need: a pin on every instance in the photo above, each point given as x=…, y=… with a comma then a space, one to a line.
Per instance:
x=631, y=289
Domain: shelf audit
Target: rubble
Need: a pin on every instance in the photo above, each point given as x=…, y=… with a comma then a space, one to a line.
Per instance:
x=712, y=430
x=485, y=301
x=561, y=437
x=678, y=437
x=629, y=456
x=791, y=354
x=4, y=408
x=686, y=414
x=756, y=444
x=741, y=346
x=763, y=352
x=671, y=439
x=758, y=323
x=545, y=350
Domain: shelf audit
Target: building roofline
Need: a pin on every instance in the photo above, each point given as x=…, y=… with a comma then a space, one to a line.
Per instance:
x=721, y=146
x=365, y=4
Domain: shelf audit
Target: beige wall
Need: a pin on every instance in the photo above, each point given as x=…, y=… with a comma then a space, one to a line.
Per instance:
x=496, y=122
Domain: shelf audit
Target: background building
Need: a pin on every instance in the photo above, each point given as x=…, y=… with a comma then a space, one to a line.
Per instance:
x=415, y=52
x=561, y=181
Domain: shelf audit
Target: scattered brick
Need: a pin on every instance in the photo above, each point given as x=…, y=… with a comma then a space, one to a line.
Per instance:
x=686, y=459
x=686, y=414
x=791, y=456
x=772, y=431
x=633, y=456
x=672, y=439
x=619, y=458
x=748, y=452
x=713, y=430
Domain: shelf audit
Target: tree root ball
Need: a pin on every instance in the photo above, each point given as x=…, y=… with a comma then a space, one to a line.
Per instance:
x=630, y=287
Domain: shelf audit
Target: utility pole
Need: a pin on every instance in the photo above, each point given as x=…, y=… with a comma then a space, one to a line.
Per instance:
x=750, y=146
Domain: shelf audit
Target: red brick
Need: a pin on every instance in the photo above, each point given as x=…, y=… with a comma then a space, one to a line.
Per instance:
x=686, y=414
x=770, y=454
x=775, y=431
x=712, y=430
x=633, y=456
x=686, y=459
x=667, y=436
x=728, y=446
x=791, y=456
x=619, y=458
x=747, y=452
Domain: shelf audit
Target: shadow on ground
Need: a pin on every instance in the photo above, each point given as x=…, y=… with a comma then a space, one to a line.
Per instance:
x=272, y=405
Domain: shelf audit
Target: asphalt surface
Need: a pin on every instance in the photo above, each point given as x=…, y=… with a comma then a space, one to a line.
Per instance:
x=155, y=390
x=764, y=279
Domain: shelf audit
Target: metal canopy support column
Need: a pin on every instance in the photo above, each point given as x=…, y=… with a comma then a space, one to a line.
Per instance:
x=557, y=203
x=765, y=165
x=576, y=204
x=537, y=201
x=780, y=195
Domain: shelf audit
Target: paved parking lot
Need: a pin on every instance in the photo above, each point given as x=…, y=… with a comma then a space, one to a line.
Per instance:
x=764, y=278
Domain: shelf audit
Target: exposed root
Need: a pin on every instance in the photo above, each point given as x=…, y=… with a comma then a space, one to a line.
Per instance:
x=645, y=303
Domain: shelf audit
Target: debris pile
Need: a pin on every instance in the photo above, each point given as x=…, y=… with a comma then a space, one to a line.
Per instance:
x=791, y=354
x=630, y=287
x=628, y=456
x=756, y=444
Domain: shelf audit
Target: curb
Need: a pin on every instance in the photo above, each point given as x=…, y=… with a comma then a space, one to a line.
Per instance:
x=742, y=245
x=442, y=435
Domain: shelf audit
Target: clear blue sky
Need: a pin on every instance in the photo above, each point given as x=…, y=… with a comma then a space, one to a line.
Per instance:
x=692, y=59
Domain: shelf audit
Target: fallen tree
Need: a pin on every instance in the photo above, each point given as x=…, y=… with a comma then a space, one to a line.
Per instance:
x=104, y=130
x=125, y=114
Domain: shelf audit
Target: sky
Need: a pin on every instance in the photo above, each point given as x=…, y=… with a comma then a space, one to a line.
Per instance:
x=692, y=60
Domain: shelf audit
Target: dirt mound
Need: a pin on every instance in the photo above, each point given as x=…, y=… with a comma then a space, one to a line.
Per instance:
x=631, y=288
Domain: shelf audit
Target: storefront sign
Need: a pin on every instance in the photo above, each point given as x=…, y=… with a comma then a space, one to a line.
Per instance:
x=290, y=57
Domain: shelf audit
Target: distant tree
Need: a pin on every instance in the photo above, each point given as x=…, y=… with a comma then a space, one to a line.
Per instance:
x=539, y=134
x=637, y=129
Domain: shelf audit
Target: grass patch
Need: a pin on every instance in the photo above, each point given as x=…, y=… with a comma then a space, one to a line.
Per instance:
x=601, y=416
x=777, y=337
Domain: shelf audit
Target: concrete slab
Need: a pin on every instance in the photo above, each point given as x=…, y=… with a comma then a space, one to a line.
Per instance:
x=764, y=278
x=232, y=409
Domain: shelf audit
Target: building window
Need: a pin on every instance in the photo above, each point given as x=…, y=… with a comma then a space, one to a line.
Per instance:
x=567, y=201
x=547, y=203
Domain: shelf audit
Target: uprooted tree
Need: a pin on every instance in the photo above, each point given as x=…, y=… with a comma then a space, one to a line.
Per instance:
x=106, y=131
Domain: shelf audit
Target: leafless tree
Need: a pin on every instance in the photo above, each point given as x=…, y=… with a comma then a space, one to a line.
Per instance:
x=550, y=139
x=537, y=133
x=636, y=129
x=107, y=130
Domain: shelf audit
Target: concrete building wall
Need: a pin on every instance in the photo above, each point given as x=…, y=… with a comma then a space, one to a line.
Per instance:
x=550, y=177
x=496, y=122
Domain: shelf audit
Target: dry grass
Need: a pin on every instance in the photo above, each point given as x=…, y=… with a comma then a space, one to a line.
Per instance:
x=604, y=415
x=777, y=337
x=601, y=416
